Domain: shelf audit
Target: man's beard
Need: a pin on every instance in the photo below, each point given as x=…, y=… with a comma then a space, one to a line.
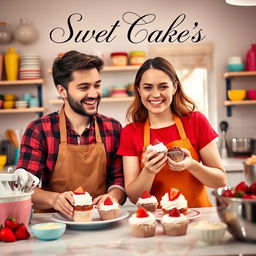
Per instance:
x=78, y=108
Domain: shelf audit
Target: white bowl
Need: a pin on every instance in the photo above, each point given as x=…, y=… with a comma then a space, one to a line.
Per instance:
x=208, y=231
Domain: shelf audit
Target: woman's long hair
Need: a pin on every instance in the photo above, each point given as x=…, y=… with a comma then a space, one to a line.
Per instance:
x=181, y=103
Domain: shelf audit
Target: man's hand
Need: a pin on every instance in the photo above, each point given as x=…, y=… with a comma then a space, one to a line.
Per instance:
x=100, y=199
x=63, y=203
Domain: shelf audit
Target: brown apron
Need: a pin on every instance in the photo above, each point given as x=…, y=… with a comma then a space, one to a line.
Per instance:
x=193, y=190
x=79, y=165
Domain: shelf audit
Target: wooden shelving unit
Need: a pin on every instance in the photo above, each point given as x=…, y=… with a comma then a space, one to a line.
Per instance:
x=35, y=82
x=228, y=78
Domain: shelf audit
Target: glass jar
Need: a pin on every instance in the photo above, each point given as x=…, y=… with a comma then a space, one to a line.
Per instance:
x=119, y=58
x=5, y=33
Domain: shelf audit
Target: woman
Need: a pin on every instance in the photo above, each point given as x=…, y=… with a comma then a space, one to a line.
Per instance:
x=162, y=112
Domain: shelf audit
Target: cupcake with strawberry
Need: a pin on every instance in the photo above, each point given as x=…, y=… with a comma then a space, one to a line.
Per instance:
x=109, y=209
x=174, y=199
x=82, y=205
x=147, y=201
x=142, y=223
x=174, y=223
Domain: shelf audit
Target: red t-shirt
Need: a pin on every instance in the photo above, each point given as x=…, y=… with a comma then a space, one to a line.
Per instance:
x=196, y=126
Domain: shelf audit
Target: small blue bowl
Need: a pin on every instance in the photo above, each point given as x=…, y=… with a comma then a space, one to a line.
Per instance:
x=235, y=67
x=48, y=231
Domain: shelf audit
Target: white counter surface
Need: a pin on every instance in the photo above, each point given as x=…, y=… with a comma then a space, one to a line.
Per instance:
x=233, y=164
x=117, y=240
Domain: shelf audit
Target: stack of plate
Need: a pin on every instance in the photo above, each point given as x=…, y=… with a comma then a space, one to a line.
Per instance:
x=29, y=67
x=21, y=104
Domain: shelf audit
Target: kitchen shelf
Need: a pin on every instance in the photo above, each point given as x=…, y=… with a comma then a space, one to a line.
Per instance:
x=22, y=110
x=34, y=82
x=120, y=68
x=104, y=99
x=228, y=78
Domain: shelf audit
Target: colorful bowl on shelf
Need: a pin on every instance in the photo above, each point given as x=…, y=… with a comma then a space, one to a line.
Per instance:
x=236, y=95
x=251, y=94
x=8, y=104
x=9, y=97
x=235, y=67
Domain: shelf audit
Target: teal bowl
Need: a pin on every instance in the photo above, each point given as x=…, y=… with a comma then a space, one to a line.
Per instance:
x=235, y=67
x=48, y=231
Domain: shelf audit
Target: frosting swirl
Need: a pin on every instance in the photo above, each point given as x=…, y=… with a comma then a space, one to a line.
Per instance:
x=159, y=147
x=150, y=219
x=174, y=220
x=82, y=199
x=113, y=206
x=179, y=203
x=149, y=200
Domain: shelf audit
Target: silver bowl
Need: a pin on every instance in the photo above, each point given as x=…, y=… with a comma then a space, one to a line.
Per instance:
x=250, y=173
x=239, y=214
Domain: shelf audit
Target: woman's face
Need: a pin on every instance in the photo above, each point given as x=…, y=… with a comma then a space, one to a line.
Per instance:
x=156, y=90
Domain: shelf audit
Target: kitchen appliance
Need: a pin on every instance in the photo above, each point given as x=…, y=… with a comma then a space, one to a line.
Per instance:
x=6, y=148
x=223, y=143
x=242, y=146
x=249, y=172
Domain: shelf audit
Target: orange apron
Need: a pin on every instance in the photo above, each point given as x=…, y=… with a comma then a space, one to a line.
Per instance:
x=193, y=190
x=79, y=165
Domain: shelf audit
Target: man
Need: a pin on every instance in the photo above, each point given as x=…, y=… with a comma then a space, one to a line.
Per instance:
x=75, y=146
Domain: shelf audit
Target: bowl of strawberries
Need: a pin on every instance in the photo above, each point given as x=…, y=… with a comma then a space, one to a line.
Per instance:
x=236, y=206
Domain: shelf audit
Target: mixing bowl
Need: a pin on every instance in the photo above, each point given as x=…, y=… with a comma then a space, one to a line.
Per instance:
x=236, y=95
x=239, y=214
x=250, y=173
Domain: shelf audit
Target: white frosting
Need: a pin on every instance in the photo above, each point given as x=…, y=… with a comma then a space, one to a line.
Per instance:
x=168, y=219
x=178, y=203
x=82, y=199
x=150, y=200
x=205, y=224
x=114, y=206
x=134, y=220
x=159, y=147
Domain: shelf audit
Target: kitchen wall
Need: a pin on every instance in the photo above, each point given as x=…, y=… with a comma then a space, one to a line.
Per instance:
x=230, y=28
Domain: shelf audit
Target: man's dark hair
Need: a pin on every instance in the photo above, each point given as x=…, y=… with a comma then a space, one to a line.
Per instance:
x=64, y=66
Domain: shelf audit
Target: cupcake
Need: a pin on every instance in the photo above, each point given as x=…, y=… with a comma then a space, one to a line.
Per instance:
x=109, y=209
x=176, y=154
x=147, y=201
x=174, y=223
x=82, y=205
x=160, y=148
x=174, y=199
x=143, y=223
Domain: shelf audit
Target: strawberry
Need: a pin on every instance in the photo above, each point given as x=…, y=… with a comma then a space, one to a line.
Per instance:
x=11, y=223
x=145, y=195
x=79, y=191
x=241, y=187
x=252, y=189
x=21, y=232
x=246, y=196
x=228, y=193
x=239, y=194
x=6, y=235
x=108, y=201
x=141, y=213
x=174, y=212
x=173, y=194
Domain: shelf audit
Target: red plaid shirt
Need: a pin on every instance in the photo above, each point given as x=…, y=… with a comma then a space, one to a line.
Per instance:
x=40, y=145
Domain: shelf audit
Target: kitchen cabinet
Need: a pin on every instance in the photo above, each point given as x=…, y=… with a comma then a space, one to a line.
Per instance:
x=38, y=84
x=228, y=79
x=108, y=69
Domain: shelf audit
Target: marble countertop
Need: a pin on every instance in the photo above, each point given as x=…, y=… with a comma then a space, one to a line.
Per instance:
x=117, y=240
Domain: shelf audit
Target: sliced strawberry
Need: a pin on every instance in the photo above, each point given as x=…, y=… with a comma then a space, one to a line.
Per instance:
x=228, y=193
x=11, y=223
x=21, y=232
x=7, y=235
x=108, y=201
x=241, y=187
x=145, y=195
x=80, y=190
x=246, y=196
x=174, y=212
x=173, y=194
x=142, y=213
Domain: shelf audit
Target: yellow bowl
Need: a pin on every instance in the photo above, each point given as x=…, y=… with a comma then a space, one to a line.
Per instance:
x=236, y=95
x=3, y=160
x=9, y=97
x=8, y=104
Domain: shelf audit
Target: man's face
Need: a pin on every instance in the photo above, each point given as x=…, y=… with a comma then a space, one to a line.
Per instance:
x=84, y=92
